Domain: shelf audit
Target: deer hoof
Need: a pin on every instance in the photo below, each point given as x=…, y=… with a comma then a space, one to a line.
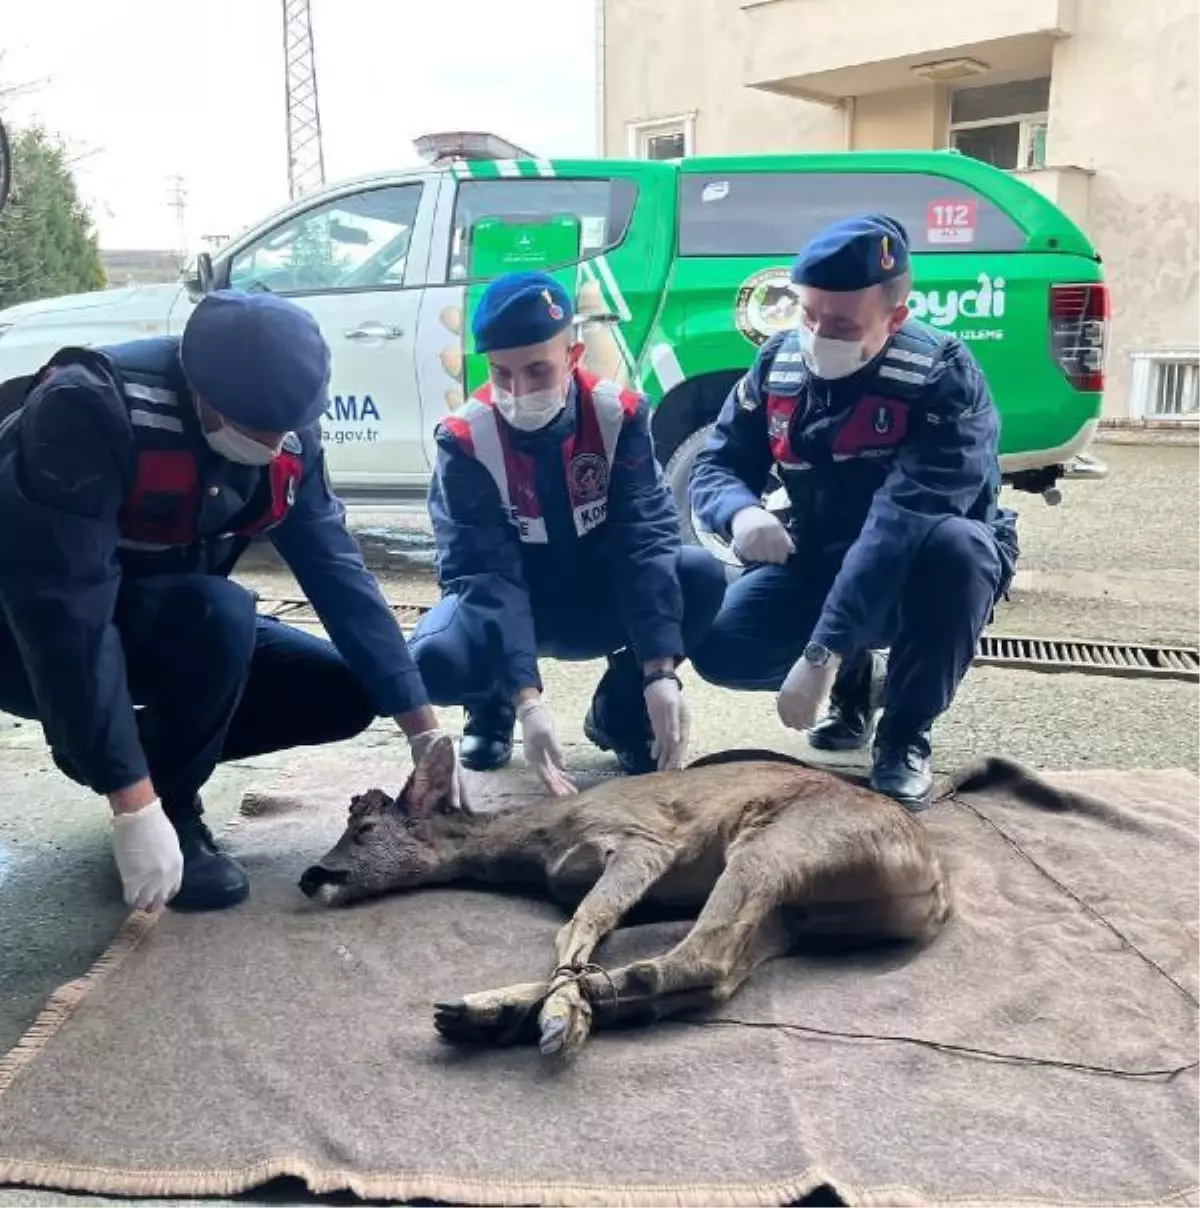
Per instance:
x=496, y=1017
x=566, y=1022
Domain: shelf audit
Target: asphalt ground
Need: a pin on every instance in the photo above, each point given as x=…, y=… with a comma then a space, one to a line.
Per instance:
x=1118, y=559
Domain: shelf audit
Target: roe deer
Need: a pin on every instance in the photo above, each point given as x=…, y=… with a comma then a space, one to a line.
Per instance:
x=770, y=854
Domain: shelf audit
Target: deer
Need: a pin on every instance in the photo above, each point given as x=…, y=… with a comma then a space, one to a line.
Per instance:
x=765, y=854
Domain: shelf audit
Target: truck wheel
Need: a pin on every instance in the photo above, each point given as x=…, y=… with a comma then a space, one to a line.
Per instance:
x=678, y=471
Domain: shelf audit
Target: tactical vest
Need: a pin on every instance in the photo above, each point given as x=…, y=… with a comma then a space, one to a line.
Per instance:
x=878, y=423
x=587, y=455
x=162, y=507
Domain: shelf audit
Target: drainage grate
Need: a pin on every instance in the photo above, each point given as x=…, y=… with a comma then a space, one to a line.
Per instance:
x=301, y=612
x=1133, y=659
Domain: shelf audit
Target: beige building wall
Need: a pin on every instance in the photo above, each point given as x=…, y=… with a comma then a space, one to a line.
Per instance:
x=1123, y=144
x=663, y=58
x=1125, y=106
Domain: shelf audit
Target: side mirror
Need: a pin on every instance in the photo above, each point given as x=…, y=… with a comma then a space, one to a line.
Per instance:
x=201, y=280
x=204, y=272
x=5, y=166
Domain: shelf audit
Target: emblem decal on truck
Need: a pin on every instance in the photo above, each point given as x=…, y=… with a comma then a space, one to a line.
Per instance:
x=766, y=304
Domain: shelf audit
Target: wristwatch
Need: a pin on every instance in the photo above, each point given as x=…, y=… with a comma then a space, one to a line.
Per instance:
x=660, y=673
x=817, y=654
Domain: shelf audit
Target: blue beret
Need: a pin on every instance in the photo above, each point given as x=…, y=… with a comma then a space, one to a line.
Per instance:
x=519, y=309
x=258, y=359
x=854, y=253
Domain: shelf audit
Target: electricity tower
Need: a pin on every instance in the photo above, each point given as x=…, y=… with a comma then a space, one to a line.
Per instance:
x=306, y=158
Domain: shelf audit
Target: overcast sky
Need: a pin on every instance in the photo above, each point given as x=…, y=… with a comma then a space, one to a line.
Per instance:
x=144, y=89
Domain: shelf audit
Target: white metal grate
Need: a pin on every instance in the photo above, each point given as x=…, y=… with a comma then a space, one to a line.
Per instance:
x=1166, y=384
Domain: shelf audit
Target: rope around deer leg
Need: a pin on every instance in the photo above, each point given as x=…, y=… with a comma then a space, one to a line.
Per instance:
x=565, y=975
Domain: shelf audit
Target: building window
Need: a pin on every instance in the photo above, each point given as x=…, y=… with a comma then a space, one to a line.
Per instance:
x=662, y=138
x=1002, y=124
x=1166, y=385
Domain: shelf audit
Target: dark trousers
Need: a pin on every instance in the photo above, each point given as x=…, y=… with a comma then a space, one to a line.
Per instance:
x=771, y=611
x=457, y=667
x=212, y=681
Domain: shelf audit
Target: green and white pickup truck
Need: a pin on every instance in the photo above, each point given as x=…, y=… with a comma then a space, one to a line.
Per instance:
x=680, y=270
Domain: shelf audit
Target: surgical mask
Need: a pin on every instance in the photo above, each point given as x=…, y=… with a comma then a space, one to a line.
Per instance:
x=831, y=359
x=529, y=412
x=236, y=446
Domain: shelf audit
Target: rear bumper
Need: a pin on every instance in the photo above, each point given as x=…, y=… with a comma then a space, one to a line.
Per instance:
x=1037, y=459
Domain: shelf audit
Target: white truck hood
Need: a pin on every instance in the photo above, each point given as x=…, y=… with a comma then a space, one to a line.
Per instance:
x=153, y=302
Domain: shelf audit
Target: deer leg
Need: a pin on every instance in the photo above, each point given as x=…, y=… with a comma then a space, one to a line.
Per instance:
x=508, y=1015
x=740, y=928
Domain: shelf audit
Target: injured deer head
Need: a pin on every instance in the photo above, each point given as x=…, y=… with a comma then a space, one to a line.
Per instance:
x=771, y=855
x=390, y=843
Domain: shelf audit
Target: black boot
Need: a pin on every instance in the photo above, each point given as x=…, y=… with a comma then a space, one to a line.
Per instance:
x=903, y=765
x=211, y=879
x=853, y=703
x=617, y=720
x=487, y=741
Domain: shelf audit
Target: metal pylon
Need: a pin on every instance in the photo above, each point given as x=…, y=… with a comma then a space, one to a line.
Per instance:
x=306, y=158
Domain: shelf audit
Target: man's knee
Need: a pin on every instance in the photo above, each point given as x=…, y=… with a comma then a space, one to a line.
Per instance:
x=702, y=581
x=959, y=555
x=198, y=624
x=445, y=657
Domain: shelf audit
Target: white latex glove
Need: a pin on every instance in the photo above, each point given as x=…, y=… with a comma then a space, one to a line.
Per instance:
x=805, y=692
x=418, y=744
x=760, y=537
x=542, y=751
x=670, y=721
x=146, y=848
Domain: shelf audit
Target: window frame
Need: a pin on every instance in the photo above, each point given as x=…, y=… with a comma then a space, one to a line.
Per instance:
x=1027, y=124
x=638, y=133
x=460, y=184
x=294, y=217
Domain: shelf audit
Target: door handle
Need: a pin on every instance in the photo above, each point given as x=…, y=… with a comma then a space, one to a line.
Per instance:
x=373, y=330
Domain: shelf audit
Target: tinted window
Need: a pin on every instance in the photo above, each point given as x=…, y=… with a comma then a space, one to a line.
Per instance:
x=595, y=213
x=773, y=214
x=355, y=242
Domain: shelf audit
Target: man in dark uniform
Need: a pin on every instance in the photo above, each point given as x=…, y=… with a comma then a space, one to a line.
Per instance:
x=131, y=480
x=557, y=535
x=885, y=436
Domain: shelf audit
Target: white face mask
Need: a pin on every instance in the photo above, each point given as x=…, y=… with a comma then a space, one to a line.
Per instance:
x=529, y=412
x=831, y=359
x=236, y=446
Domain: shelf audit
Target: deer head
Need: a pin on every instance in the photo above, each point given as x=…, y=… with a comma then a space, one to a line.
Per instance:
x=389, y=843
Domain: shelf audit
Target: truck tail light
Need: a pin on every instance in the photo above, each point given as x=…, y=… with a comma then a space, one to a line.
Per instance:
x=1079, y=318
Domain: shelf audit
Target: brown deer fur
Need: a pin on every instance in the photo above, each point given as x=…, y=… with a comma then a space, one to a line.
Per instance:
x=769, y=856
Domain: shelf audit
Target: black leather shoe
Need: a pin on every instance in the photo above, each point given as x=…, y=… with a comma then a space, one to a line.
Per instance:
x=853, y=704
x=904, y=769
x=487, y=740
x=632, y=754
x=211, y=879
x=617, y=720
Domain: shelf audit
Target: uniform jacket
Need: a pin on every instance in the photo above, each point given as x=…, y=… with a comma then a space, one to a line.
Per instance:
x=525, y=519
x=86, y=500
x=870, y=462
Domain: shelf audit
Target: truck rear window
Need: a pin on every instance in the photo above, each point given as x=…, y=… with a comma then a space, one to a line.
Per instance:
x=775, y=213
x=601, y=209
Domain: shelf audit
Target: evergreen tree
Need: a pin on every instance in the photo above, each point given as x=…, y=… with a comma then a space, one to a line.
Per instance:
x=47, y=244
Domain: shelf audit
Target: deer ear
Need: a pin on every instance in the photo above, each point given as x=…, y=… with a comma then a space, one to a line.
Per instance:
x=429, y=789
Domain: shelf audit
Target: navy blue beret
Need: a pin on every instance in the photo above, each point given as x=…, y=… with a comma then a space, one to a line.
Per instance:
x=258, y=359
x=855, y=253
x=520, y=309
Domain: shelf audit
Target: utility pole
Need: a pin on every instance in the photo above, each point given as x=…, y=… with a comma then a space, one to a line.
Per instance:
x=177, y=201
x=306, y=157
